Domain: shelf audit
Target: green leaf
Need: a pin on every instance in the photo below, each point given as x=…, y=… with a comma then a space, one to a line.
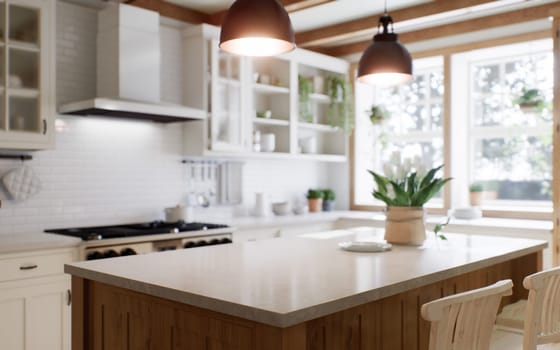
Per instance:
x=429, y=176
x=425, y=193
x=411, y=186
x=382, y=197
x=401, y=197
x=439, y=227
x=381, y=182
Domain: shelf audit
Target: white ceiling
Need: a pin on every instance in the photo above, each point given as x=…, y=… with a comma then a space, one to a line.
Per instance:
x=315, y=17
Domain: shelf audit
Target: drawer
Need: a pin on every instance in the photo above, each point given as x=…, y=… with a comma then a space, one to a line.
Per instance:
x=33, y=265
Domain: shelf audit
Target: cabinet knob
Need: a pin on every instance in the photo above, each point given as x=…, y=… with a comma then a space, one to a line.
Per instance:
x=45, y=126
x=68, y=297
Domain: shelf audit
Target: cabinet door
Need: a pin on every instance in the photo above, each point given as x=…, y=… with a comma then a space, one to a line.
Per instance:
x=35, y=316
x=26, y=79
x=226, y=107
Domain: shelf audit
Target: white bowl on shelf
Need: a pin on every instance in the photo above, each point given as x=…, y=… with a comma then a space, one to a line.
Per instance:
x=281, y=208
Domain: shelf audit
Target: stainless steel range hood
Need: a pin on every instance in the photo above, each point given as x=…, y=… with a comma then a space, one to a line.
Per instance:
x=128, y=70
x=132, y=109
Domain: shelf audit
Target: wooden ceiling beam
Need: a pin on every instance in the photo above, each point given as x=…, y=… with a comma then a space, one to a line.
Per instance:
x=290, y=6
x=481, y=23
x=351, y=29
x=298, y=5
x=170, y=10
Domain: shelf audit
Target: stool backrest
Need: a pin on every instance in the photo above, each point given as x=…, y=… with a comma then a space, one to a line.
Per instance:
x=542, y=316
x=464, y=321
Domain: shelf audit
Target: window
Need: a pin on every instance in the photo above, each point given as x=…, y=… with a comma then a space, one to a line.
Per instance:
x=511, y=145
x=414, y=128
x=495, y=139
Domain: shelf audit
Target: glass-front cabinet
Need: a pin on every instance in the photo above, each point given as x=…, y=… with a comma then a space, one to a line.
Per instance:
x=226, y=108
x=26, y=74
x=252, y=102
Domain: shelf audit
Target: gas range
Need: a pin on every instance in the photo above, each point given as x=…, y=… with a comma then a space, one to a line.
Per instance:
x=138, y=238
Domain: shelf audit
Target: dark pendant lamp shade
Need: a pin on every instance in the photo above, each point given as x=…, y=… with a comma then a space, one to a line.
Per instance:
x=257, y=28
x=385, y=62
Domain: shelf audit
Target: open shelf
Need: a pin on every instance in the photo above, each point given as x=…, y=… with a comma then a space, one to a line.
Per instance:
x=24, y=46
x=321, y=98
x=319, y=127
x=270, y=89
x=24, y=93
x=271, y=121
x=229, y=81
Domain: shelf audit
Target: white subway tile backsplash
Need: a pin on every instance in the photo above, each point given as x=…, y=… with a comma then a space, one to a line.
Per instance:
x=109, y=171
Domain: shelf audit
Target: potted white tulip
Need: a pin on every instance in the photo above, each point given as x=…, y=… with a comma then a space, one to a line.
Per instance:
x=405, y=191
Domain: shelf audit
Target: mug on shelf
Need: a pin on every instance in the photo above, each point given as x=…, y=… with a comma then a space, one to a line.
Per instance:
x=268, y=142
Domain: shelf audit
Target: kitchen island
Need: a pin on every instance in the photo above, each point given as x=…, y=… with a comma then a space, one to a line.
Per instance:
x=286, y=293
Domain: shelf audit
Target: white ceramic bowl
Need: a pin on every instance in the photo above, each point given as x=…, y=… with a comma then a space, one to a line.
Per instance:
x=281, y=208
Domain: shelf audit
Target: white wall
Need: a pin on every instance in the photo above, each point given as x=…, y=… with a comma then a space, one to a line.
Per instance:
x=108, y=171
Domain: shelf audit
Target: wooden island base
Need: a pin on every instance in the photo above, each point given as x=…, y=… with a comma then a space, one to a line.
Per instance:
x=109, y=318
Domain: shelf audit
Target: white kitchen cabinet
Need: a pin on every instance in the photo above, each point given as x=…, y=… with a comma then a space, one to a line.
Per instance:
x=214, y=83
x=35, y=300
x=27, y=74
x=247, y=98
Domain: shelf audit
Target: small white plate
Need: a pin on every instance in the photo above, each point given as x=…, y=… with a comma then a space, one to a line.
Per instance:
x=364, y=246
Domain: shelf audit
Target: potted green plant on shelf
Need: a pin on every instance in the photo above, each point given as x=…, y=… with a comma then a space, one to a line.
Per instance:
x=377, y=114
x=314, y=200
x=341, y=104
x=328, y=200
x=405, y=195
x=476, y=194
x=530, y=101
x=305, y=88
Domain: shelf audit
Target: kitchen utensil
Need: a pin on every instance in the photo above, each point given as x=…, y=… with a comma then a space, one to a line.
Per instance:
x=268, y=142
x=281, y=208
x=21, y=183
x=202, y=200
x=175, y=214
x=260, y=204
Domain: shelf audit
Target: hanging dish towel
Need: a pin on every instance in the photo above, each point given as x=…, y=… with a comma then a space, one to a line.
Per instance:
x=21, y=183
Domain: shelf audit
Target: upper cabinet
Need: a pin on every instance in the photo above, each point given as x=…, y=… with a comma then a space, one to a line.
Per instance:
x=27, y=79
x=258, y=107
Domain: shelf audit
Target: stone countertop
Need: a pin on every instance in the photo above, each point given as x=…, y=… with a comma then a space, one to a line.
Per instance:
x=25, y=242
x=495, y=225
x=287, y=281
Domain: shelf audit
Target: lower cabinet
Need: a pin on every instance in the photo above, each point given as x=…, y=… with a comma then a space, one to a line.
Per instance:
x=35, y=301
x=35, y=315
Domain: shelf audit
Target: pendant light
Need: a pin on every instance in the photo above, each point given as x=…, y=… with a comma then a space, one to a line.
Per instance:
x=257, y=28
x=385, y=62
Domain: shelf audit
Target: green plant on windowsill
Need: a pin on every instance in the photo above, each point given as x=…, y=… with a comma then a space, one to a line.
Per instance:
x=378, y=114
x=341, y=107
x=476, y=187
